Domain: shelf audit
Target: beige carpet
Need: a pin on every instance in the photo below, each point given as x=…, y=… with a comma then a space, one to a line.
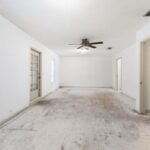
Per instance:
x=79, y=119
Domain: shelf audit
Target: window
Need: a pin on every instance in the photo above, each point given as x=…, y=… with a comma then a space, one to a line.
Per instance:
x=53, y=70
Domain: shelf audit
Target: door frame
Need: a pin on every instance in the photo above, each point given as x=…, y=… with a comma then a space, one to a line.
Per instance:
x=40, y=70
x=142, y=106
x=119, y=58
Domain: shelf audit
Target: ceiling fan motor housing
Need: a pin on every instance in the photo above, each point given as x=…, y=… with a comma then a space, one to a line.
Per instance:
x=85, y=42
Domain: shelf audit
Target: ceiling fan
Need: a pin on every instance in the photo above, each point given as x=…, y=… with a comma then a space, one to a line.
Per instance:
x=86, y=43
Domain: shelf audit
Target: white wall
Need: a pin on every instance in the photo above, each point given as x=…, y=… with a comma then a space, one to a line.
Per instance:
x=15, y=68
x=129, y=70
x=86, y=71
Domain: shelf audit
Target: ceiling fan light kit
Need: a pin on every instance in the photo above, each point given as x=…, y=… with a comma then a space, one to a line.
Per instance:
x=83, y=50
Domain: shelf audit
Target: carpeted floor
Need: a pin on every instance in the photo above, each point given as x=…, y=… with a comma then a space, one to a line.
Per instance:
x=79, y=119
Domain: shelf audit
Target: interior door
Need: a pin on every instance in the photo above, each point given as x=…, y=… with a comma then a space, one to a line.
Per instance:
x=145, y=77
x=35, y=75
x=119, y=74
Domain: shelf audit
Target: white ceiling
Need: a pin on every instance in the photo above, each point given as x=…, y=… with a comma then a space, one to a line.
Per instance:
x=58, y=22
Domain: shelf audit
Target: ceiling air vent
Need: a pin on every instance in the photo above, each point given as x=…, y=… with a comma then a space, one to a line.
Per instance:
x=109, y=48
x=147, y=14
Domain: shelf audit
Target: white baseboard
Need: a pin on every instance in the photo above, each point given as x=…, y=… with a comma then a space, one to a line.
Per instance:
x=84, y=87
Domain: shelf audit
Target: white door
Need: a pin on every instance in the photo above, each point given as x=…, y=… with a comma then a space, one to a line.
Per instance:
x=119, y=74
x=145, y=77
x=35, y=75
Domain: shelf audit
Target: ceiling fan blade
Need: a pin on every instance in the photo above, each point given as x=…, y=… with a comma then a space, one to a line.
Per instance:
x=97, y=42
x=80, y=47
x=74, y=44
x=92, y=46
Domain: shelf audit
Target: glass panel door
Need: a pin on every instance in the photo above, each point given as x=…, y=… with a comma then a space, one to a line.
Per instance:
x=35, y=74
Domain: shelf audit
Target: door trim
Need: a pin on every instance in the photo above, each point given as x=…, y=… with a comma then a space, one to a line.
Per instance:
x=40, y=70
x=142, y=107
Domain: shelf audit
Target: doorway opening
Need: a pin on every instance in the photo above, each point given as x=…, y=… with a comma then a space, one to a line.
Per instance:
x=145, y=77
x=35, y=71
x=119, y=74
